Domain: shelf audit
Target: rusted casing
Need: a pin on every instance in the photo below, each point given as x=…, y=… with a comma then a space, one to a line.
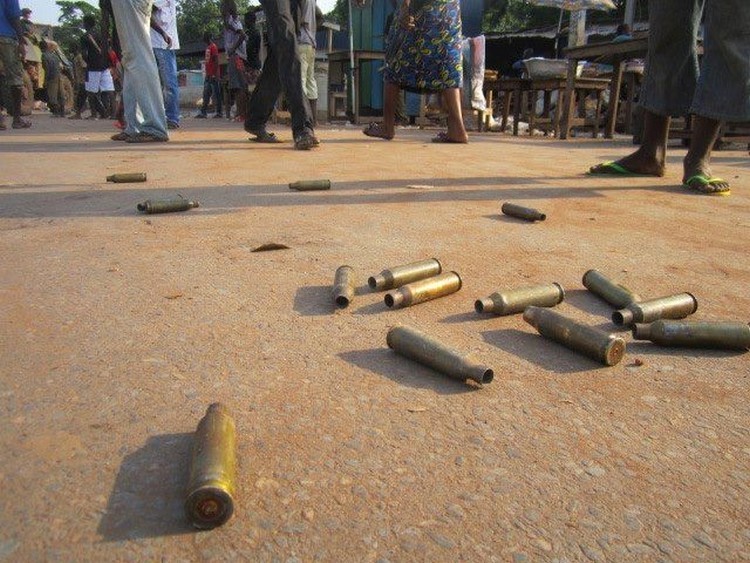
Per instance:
x=676, y=306
x=151, y=206
x=527, y=213
x=210, y=493
x=417, y=346
x=589, y=341
x=407, y=273
x=516, y=300
x=695, y=334
x=423, y=290
x=310, y=185
x=127, y=177
x=343, y=286
x=612, y=292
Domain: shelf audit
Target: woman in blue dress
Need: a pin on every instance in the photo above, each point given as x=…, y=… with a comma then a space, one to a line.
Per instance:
x=423, y=54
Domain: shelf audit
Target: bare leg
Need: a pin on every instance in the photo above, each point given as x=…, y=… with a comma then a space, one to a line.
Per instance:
x=698, y=159
x=387, y=129
x=452, y=103
x=649, y=159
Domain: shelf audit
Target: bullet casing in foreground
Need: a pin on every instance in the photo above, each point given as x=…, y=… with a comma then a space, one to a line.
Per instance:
x=516, y=300
x=423, y=290
x=211, y=487
x=343, y=286
x=612, y=292
x=676, y=306
x=417, y=346
x=127, y=177
x=695, y=334
x=521, y=212
x=151, y=206
x=310, y=185
x=407, y=273
x=592, y=342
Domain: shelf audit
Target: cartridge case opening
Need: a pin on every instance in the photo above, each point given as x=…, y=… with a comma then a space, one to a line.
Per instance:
x=618, y=317
x=342, y=301
x=479, y=305
x=488, y=376
x=141, y=207
x=372, y=282
x=389, y=299
x=209, y=507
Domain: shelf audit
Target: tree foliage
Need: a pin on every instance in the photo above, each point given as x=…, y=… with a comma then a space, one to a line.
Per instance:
x=196, y=17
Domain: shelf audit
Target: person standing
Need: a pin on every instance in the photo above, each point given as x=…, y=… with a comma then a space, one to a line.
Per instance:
x=79, y=84
x=236, y=49
x=55, y=95
x=12, y=48
x=281, y=71
x=306, y=44
x=212, y=71
x=166, y=42
x=141, y=88
x=98, y=78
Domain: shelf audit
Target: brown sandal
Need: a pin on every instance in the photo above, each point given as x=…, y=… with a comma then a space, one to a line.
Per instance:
x=374, y=129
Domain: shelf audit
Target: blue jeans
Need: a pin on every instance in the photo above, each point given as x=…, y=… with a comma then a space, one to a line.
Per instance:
x=141, y=89
x=211, y=87
x=674, y=85
x=166, y=60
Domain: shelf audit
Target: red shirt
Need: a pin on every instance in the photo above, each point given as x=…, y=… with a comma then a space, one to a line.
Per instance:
x=212, y=60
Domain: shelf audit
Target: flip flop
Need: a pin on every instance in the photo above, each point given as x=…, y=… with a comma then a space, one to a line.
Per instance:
x=444, y=138
x=706, y=185
x=375, y=130
x=611, y=168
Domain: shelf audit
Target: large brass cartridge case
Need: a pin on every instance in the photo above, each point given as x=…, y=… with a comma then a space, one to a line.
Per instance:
x=423, y=290
x=343, y=286
x=151, y=206
x=401, y=275
x=522, y=212
x=210, y=492
x=695, y=334
x=589, y=341
x=310, y=185
x=516, y=300
x=672, y=307
x=612, y=292
x=417, y=346
x=127, y=177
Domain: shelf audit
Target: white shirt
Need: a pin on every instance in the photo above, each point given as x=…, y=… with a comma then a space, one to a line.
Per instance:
x=166, y=17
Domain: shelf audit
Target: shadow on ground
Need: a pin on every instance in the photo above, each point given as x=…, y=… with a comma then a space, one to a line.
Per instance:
x=149, y=492
x=314, y=301
x=403, y=371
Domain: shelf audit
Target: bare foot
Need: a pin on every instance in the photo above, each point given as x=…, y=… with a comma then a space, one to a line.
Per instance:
x=639, y=163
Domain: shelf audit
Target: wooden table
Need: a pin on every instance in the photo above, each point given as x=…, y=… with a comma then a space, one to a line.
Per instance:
x=342, y=58
x=617, y=54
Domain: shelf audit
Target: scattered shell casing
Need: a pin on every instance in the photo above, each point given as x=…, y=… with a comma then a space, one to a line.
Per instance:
x=695, y=334
x=676, y=306
x=423, y=290
x=521, y=212
x=343, y=286
x=127, y=177
x=310, y=185
x=516, y=300
x=151, y=206
x=407, y=273
x=612, y=292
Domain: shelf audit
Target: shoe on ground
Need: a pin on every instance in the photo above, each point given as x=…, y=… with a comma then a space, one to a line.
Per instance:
x=304, y=141
x=146, y=138
x=121, y=136
x=21, y=123
x=173, y=125
x=218, y=116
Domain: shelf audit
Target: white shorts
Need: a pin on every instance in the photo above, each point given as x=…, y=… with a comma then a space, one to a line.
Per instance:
x=99, y=81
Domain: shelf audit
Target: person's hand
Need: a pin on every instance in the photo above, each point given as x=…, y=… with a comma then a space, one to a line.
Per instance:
x=405, y=18
x=168, y=39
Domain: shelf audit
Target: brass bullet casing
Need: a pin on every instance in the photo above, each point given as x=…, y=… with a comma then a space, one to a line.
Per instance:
x=127, y=178
x=310, y=185
x=672, y=307
x=210, y=492
x=417, y=346
x=589, y=341
x=522, y=212
x=516, y=300
x=401, y=275
x=343, y=286
x=612, y=292
x=695, y=334
x=151, y=206
x=423, y=290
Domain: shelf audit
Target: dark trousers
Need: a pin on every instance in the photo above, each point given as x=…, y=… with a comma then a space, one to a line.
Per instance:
x=281, y=71
x=80, y=101
x=211, y=87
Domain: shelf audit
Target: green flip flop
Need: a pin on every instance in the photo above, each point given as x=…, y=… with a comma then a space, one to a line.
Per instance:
x=610, y=168
x=706, y=185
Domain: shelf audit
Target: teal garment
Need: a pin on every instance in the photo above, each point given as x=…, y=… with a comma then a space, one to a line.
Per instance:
x=428, y=56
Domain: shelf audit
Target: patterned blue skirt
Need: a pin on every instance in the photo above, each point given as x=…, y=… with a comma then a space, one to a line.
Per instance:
x=428, y=56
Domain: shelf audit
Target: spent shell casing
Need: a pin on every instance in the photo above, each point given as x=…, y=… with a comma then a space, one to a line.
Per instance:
x=407, y=273
x=521, y=212
x=126, y=178
x=516, y=300
x=612, y=292
x=151, y=206
x=343, y=286
x=210, y=492
x=423, y=290
x=310, y=185
x=589, y=341
x=695, y=334
x=417, y=346
x=676, y=306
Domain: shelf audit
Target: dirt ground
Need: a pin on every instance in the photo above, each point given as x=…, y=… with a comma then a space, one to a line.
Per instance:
x=119, y=329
